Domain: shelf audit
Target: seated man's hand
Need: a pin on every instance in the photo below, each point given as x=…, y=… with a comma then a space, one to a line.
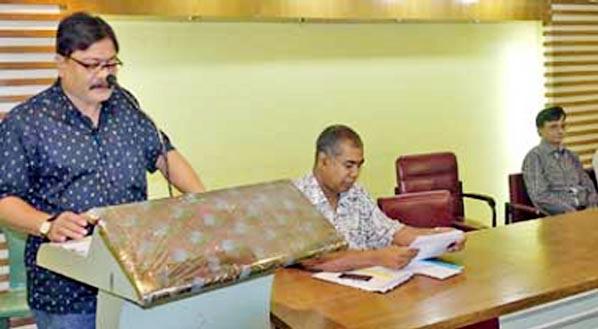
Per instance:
x=393, y=257
x=457, y=246
x=408, y=234
x=67, y=225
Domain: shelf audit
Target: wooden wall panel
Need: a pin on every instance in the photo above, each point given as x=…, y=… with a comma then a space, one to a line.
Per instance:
x=483, y=10
x=571, y=43
x=27, y=31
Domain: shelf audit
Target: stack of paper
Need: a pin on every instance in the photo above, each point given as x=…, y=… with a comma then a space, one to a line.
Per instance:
x=434, y=268
x=382, y=279
x=79, y=247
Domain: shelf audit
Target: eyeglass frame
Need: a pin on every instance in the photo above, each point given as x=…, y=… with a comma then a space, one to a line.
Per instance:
x=97, y=67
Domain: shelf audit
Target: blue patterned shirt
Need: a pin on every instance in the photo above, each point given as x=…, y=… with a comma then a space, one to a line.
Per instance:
x=56, y=160
x=357, y=217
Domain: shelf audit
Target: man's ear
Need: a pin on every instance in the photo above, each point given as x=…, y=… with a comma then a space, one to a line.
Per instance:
x=323, y=159
x=60, y=64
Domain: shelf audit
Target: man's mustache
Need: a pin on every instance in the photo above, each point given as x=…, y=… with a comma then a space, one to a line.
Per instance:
x=98, y=85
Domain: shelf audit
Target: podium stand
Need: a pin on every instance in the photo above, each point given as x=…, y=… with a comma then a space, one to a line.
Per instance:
x=196, y=261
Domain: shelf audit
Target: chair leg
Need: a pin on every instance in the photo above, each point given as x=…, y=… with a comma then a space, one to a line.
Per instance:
x=4, y=323
x=494, y=217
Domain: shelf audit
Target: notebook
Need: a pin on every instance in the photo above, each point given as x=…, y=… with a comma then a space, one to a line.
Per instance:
x=382, y=279
x=376, y=278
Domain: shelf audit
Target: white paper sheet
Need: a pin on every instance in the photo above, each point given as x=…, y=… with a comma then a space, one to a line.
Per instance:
x=435, y=245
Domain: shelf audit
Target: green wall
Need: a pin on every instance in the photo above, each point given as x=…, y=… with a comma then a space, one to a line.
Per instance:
x=245, y=101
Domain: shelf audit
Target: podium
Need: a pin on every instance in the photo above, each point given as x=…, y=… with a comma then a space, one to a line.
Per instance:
x=196, y=261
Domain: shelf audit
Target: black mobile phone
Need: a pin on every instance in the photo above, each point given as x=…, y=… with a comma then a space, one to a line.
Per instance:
x=354, y=276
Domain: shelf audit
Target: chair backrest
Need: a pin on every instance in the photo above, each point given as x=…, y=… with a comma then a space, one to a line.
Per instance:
x=12, y=263
x=419, y=209
x=429, y=172
x=518, y=195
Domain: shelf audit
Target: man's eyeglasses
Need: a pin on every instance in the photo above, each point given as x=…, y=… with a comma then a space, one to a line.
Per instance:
x=98, y=66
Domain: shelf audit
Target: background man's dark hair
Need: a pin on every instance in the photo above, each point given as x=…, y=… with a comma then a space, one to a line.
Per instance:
x=554, y=113
x=332, y=136
x=79, y=31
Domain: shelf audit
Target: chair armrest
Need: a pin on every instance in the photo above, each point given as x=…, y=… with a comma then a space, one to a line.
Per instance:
x=524, y=208
x=13, y=303
x=488, y=199
x=467, y=227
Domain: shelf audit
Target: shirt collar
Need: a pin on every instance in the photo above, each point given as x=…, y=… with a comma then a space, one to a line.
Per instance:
x=317, y=189
x=549, y=148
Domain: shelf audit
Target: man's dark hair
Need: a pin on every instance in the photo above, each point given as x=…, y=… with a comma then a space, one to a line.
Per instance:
x=332, y=136
x=79, y=31
x=554, y=113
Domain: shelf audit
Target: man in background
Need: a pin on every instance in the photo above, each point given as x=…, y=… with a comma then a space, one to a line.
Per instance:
x=554, y=177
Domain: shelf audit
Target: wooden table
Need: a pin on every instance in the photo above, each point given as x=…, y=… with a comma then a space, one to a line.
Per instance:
x=507, y=269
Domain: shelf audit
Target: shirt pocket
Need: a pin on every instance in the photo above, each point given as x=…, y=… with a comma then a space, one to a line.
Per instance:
x=128, y=166
x=65, y=158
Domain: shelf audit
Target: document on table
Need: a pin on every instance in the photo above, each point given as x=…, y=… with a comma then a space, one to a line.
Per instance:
x=382, y=279
x=434, y=268
x=376, y=278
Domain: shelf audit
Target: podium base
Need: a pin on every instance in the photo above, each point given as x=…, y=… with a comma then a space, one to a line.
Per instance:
x=244, y=305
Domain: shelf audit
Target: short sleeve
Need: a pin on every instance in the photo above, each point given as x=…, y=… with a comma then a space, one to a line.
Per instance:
x=14, y=166
x=375, y=230
x=153, y=144
x=383, y=229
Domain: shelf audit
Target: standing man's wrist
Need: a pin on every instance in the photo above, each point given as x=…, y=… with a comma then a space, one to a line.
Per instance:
x=46, y=226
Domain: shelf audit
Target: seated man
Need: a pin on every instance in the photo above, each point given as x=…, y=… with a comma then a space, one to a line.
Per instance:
x=554, y=178
x=373, y=238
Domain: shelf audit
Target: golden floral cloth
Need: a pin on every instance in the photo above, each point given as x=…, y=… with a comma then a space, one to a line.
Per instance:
x=189, y=244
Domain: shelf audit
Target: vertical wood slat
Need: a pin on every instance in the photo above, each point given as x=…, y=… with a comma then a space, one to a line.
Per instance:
x=3, y=263
x=17, y=70
x=571, y=49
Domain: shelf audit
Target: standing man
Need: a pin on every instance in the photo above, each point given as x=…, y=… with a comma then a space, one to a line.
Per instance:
x=554, y=177
x=374, y=239
x=77, y=145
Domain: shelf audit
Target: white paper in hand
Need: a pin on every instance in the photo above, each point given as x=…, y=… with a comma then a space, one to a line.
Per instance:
x=79, y=247
x=435, y=245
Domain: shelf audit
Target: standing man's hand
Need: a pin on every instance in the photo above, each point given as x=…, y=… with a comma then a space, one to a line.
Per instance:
x=67, y=225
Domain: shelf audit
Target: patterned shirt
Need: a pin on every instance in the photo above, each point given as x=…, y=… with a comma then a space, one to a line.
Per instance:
x=357, y=217
x=56, y=160
x=556, y=181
